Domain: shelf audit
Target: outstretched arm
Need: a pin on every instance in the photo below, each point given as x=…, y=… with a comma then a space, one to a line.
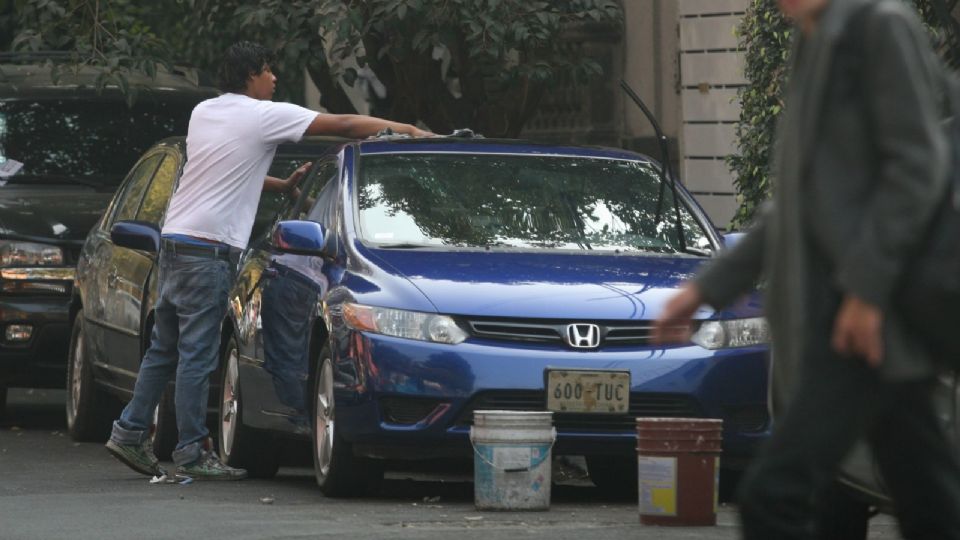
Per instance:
x=358, y=126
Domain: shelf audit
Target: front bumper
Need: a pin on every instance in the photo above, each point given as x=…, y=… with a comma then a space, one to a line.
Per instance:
x=41, y=360
x=405, y=399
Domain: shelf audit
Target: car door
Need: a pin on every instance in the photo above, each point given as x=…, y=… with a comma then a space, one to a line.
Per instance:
x=129, y=272
x=100, y=295
x=285, y=299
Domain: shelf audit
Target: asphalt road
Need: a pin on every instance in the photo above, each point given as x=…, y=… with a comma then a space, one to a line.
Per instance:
x=51, y=488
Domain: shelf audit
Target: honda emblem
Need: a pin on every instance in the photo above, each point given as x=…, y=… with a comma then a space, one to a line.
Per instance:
x=583, y=336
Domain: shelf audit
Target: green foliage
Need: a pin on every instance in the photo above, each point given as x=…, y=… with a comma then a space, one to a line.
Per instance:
x=766, y=36
x=108, y=35
x=450, y=63
x=482, y=64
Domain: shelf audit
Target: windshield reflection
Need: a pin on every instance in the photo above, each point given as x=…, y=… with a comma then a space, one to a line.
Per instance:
x=509, y=201
x=62, y=139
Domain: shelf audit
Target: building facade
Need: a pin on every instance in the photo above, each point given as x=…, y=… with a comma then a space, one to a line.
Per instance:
x=682, y=57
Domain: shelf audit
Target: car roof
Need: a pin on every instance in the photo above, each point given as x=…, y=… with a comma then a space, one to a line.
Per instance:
x=35, y=80
x=308, y=146
x=314, y=145
x=491, y=146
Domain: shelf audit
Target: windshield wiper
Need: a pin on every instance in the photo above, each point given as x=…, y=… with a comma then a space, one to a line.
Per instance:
x=666, y=171
x=53, y=179
x=402, y=245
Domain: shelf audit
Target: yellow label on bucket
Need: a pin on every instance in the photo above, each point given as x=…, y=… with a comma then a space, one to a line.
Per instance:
x=657, y=479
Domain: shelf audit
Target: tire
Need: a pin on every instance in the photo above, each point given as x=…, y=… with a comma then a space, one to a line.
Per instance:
x=338, y=471
x=240, y=445
x=165, y=428
x=90, y=410
x=615, y=476
x=3, y=401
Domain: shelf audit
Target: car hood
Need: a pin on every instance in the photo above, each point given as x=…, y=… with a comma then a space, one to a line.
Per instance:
x=547, y=286
x=50, y=215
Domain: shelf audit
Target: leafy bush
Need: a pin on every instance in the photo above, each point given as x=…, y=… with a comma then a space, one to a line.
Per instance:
x=766, y=36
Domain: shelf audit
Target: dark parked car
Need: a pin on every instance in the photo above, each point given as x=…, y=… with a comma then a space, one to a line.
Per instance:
x=115, y=291
x=75, y=145
x=861, y=474
x=416, y=281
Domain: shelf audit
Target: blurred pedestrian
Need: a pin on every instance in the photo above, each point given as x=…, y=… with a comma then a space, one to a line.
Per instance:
x=231, y=141
x=861, y=164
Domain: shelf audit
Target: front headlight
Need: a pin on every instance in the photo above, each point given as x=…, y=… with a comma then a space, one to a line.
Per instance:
x=404, y=324
x=732, y=333
x=14, y=254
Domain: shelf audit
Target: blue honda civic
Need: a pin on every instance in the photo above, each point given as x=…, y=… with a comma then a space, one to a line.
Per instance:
x=413, y=282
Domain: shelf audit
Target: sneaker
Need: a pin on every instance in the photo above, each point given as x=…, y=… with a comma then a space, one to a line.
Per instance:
x=138, y=457
x=209, y=467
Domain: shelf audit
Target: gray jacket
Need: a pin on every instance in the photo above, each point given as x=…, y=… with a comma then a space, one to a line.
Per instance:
x=860, y=163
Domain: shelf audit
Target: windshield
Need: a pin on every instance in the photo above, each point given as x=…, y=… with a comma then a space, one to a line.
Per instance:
x=512, y=201
x=97, y=140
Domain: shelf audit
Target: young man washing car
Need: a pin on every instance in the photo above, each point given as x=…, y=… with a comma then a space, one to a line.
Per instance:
x=231, y=141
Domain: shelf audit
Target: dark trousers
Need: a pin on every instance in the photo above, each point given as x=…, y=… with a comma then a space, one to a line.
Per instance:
x=838, y=402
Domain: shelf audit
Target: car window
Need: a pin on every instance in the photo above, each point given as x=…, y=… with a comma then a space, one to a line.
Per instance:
x=522, y=201
x=96, y=138
x=315, y=201
x=133, y=188
x=273, y=204
x=155, y=202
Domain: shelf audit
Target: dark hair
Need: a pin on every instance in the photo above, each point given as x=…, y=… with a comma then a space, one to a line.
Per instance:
x=241, y=61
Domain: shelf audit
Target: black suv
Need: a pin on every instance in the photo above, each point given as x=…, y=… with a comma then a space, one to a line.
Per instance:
x=75, y=145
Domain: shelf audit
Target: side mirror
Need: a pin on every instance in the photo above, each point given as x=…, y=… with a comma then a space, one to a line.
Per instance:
x=731, y=239
x=300, y=237
x=141, y=235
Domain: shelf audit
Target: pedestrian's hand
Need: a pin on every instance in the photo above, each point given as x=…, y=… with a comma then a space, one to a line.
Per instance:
x=858, y=330
x=674, y=324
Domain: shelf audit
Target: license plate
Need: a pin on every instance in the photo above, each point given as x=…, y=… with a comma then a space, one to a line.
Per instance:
x=588, y=391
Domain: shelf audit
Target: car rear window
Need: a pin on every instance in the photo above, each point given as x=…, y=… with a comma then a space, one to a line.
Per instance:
x=96, y=140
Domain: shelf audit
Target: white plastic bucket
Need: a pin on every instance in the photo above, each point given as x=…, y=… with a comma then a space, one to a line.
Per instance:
x=511, y=459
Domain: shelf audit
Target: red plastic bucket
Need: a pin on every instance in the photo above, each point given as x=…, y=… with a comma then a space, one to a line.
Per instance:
x=678, y=465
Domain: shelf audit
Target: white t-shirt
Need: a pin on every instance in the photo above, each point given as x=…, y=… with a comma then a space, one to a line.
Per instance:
x=231, y=141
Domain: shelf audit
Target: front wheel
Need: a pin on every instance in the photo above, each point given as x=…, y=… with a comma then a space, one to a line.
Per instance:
x=240, y=445
x=339, y=473
x=3, y=401
x=90, y=410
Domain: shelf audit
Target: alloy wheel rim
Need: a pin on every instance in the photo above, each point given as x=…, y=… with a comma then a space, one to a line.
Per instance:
x=324, y=418
x=75, y=378
x=229, y=406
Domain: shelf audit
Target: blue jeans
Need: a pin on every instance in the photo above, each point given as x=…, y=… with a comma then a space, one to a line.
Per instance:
x=193, y=294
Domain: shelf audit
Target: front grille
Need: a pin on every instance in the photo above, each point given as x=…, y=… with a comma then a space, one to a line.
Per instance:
x=511, y=331
x=612, y=333
x=629, y=334
x=406, y=410
x=643, y=405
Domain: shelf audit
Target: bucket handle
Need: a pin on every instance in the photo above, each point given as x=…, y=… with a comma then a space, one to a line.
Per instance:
x=516, y=469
